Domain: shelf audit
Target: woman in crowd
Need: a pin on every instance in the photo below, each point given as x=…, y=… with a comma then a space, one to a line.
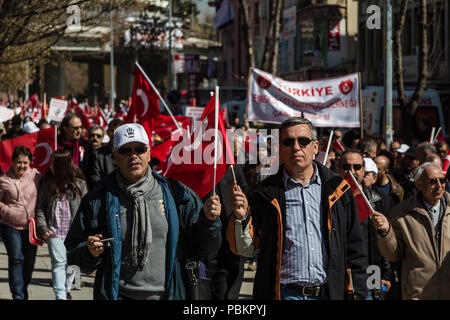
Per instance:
x=60, y=195
x=18, y=195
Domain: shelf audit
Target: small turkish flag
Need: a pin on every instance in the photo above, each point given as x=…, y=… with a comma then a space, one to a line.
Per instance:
x=362, y=205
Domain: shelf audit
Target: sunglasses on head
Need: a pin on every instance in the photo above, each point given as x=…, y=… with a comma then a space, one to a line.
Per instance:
x=129, y=150
x=95, y=135
x=348, y=167
x=435, y=180
x=303, y=141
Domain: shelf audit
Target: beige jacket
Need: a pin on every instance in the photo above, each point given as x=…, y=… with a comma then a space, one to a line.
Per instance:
x=411, y=240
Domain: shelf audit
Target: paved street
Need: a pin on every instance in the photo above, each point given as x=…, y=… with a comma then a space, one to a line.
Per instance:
x=41, y=284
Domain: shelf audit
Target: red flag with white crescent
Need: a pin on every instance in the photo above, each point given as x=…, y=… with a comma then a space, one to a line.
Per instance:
x=200, y=176
x=144, y=101
x=45, y=145
x=41, y=144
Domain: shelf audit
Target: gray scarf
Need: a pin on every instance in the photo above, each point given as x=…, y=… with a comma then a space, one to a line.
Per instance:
x=141, y=232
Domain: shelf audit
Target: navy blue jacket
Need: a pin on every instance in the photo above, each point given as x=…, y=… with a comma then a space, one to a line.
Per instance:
x=190, y=235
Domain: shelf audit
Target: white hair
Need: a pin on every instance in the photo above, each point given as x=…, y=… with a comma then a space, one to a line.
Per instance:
x=421, y=170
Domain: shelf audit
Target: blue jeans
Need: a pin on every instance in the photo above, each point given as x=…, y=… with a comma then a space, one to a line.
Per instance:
x=288, y=294
x=21, y=259
x=58, y=255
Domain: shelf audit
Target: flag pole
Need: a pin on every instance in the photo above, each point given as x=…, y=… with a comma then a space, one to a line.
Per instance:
x=435, y=136
x=328, y=147
x=159, y=95
x=360, y=190
x=216, y=127
x=432, y=135
x=56, y=137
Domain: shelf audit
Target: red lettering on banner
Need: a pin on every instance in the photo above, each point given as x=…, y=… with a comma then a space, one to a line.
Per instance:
x=319, y=91
x=328, y=91
x=305, y=92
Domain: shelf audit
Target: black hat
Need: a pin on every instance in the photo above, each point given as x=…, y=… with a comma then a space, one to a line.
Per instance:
x=411, y=152
x=16, y=120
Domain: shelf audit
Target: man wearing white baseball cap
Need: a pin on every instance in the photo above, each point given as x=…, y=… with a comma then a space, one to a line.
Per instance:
x=137, y=227
x=380, y=202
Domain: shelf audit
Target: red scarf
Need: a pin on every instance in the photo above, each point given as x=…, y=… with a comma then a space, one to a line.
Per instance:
x=73, y=147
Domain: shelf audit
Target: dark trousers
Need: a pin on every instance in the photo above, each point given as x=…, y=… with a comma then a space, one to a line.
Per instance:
x=21, y=259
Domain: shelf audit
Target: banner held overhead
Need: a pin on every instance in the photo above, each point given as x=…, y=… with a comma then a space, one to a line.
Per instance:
x=332, y=102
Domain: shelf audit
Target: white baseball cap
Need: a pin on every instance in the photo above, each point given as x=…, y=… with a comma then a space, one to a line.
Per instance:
x=403, y=148
x=370, y=166
x=130, y=132
x=30, y=127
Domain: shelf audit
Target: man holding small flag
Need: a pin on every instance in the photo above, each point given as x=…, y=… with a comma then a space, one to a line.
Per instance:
x=361, y=174
x=303, y=221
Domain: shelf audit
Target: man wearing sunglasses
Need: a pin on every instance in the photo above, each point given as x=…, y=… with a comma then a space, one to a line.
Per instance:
x=95, y=136
x=303, y=223
x=418, y=235
x=155, y=224
x=365, y=172
x=70, y=138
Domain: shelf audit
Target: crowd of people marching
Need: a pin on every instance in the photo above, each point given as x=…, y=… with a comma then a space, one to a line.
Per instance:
x=394, y=181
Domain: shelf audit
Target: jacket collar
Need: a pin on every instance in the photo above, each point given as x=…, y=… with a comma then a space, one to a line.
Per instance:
x=273, y=185
x=416, y=204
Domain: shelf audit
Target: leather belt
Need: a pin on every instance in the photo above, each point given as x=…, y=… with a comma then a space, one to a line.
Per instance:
x=306, y=291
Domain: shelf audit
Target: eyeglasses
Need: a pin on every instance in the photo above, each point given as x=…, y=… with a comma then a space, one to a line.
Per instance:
x=92, y=135
x=435, y=180
x=348, y=167
x=128, y=150
x=303, y=141
x=77, y=128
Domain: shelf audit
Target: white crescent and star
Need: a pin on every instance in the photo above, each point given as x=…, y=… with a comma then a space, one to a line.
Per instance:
x=48, y=150
x=144, y=99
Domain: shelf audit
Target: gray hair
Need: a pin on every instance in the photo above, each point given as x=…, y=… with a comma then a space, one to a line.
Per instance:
x=421, y=170
x=96, y=127
x=425, y=147
x=298, y=120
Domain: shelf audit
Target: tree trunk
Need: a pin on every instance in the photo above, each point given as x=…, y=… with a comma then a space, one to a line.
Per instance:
x=268, y=45
x=276, y=38
x=248, y=32
x=398, y=54
x=409, y=108
x=423, y=60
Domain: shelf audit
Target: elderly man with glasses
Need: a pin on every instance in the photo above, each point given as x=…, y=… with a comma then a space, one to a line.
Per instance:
x=418, y=235
x=137, y=228
x=303, y=223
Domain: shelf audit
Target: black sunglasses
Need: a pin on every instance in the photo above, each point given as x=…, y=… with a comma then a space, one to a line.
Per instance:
x=128, y=150
x=95, y=135
x=77, y=128
x=303, y=141
x=348, y=167
x=435, y=180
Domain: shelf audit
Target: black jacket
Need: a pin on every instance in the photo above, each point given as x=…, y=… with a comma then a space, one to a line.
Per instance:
x=382, y=203
x=347, y=262
x=225, y=268
x=86, y=161
x=102, y=164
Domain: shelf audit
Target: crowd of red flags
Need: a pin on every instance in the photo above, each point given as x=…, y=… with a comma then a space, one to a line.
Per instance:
x=41, y=144
x=145, y=110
